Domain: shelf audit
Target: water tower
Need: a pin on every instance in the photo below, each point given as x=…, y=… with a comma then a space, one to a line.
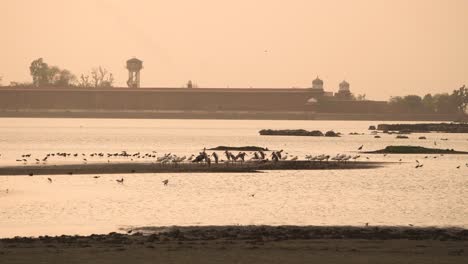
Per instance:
x=134, y=67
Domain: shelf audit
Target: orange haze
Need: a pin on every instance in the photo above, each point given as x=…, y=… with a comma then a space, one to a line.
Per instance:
x=382, y=48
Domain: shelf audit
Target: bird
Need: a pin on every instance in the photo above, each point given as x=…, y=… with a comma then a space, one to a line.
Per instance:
x=96, y=177
x=50, y=180
x=360, y=148
x=458, y=166
x=252, y=195
x=120, y=181
x=165, y=182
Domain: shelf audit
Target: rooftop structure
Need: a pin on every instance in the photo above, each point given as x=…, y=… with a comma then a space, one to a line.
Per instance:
x=134, y=67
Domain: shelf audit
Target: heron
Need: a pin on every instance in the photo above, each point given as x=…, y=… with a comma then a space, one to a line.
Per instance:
x=215, y=156
x=274, y=156
x=262, y=154
x=241, y=156
x=278, y=153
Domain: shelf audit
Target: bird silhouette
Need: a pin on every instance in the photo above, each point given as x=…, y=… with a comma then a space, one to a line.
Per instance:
x=50, y=180
x=165, y=182
x=96, y=177
x=360, y=148
x=120, y=181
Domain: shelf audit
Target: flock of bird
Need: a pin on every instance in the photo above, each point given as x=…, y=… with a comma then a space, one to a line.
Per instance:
x=202, y=157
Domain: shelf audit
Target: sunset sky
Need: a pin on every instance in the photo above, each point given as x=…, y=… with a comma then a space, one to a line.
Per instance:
x=383, y=48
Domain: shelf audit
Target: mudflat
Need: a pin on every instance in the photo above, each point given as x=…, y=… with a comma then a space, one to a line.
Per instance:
x=188, y=167
x=246, y=245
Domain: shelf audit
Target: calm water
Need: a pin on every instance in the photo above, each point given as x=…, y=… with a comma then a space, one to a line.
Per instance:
x=436, y=194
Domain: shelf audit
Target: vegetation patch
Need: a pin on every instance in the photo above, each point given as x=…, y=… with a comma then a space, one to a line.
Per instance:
x=298, y=132
x=426, y=127
x=414, y=150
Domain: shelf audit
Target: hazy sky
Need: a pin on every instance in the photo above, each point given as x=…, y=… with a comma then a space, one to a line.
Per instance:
x=382, y=48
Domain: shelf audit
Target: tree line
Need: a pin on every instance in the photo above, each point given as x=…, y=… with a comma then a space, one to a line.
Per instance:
x=44, y=75
x=443, y=103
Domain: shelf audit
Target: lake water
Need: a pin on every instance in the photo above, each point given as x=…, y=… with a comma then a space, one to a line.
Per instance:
x=398, y=194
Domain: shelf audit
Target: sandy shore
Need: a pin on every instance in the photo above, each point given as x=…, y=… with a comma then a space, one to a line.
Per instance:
x=248, y=244
x=120, y=168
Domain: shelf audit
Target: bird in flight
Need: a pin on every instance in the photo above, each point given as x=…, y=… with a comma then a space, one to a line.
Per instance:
x=50, y=180
x=165, y=182
x=360, y=148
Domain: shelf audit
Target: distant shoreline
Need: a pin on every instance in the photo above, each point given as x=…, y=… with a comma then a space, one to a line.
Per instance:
x=233, y=115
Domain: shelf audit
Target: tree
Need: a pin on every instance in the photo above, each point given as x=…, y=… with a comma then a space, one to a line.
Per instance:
x=102, y=78
x=43, y=75
x=428, y=103
x=84, y=81
x=361, y=97
x=460, y=98
x=413, y=103
x=443, y=104
x=40, y=72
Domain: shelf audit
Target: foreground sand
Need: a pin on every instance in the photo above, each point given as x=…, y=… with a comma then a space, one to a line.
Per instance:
x=247, y=245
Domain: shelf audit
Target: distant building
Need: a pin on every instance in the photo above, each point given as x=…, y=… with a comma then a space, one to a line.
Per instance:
x=344, y=91
x=317, y=85
x=134, y=67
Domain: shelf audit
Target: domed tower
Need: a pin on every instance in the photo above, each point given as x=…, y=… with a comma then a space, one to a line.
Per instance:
x=134, y=67
x=317, y=84
x=343, y=90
